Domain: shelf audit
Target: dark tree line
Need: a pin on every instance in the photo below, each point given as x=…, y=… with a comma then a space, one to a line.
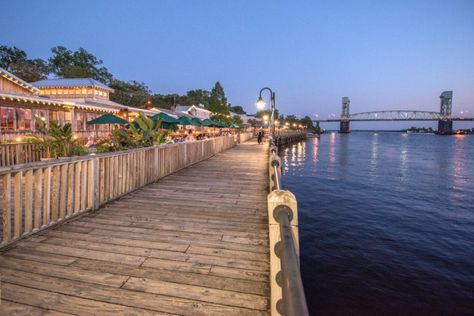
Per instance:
x=65, y=63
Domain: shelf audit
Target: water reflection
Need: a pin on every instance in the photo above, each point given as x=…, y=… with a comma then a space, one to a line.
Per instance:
x=315, y=149
x=332, y=152
x=459, y=176
x=284, y=156
x=343, y=154
x=374, y=157
x=403, y=160
x=293, y=155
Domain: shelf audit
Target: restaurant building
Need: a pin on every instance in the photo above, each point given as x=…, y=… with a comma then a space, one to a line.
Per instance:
x=74, y=101
x=195, y=111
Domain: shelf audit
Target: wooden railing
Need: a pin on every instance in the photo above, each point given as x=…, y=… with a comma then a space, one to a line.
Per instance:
x=14, y=135
x=286, y=286
x=243, y=137
x=12, y=154
x=288, y=137
x=42, y=194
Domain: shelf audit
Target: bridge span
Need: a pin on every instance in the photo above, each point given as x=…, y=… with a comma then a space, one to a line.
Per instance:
x=444, y=116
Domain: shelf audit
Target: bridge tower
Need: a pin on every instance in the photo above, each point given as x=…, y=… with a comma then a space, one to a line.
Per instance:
x=445, y=124
x=344, y=126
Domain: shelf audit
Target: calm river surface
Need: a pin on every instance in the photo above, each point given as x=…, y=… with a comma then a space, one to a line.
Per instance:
x=386, y=222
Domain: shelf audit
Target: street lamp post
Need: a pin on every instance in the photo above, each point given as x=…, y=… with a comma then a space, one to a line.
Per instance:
x=261, y=105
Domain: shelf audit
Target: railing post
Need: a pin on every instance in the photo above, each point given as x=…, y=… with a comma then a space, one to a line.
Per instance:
x=277, y=198
x=95, y=173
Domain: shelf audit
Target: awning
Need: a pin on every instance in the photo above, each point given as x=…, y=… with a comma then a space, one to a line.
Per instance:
x=165, y=118
x=196, y=122
x=183, y=120
x=107, y=119
x=210, y=123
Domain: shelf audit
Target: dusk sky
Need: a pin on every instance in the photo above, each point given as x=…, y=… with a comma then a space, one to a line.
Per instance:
x=381, y=54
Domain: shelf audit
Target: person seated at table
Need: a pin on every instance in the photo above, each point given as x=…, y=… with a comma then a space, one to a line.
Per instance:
x=190, y=137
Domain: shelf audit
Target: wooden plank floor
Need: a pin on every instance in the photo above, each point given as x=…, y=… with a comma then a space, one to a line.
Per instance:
x=194, y=243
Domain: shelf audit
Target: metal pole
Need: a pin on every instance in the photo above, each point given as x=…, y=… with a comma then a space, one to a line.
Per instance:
x=273, y=107
x=273, y=114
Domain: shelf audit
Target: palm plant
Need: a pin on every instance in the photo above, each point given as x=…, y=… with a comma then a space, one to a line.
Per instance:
x=150, y=130
x=58, y=140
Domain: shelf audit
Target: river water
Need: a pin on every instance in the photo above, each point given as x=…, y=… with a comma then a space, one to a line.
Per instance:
x=386, y=222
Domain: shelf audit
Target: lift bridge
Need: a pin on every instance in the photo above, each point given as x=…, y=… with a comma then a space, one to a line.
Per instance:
x=444, y=116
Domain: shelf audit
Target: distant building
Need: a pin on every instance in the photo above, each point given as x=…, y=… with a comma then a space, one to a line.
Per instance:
x=196, y=111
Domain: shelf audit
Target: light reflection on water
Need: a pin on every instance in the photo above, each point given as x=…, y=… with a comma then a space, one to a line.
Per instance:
x=386, y=222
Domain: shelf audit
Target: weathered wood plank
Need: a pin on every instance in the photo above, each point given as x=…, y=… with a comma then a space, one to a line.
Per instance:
x=98, y=299
x=61, y=271
x=66, y=303
x=223, y=283
x=199, y=293
x=84, y=253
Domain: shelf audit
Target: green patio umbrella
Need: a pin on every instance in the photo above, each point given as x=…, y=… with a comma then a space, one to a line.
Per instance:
x=221, y=124
x=107, y=119
x=171, y=126
x=183, y=120
x=164, y=118
x=210, y=123
x=196, y=122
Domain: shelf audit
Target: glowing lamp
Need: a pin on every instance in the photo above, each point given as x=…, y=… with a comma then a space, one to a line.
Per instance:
x=260, y=103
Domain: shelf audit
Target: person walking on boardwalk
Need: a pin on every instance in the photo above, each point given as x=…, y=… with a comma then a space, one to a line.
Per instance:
x=260, y=135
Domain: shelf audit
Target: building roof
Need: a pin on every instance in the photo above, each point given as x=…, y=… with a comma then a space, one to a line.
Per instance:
x=18, y=81
x=71, y=82
x=183, y=108
x=34, y=100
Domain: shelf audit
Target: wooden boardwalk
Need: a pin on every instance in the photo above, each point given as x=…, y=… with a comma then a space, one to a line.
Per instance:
x=193, y=243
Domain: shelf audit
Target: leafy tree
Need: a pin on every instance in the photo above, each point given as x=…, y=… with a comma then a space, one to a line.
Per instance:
x=237, y=120
x=10, y=55
x=218, y=100
x=253, y=122
x=132, y=93
x=79, y=64
x=225, y=118
x=261, y=114
x=16, y=61
x=221, y=117
x=195, y=97
x=237, y=109
x=307, y=122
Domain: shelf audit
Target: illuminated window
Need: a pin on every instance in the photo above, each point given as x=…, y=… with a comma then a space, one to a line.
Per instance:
x=53, y=116
x=7, y=119
x=53, y=91
x=84, y=91
x=41, y=114
x=80, y=121
x=23, y=118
